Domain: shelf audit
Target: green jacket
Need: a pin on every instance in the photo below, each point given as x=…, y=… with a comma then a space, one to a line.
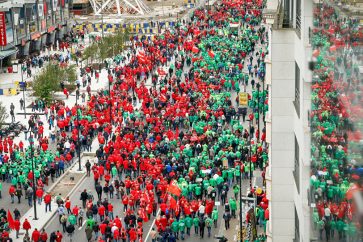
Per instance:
x=188, y=222
x=196, y=222
x=175, y=226
x=215, y=214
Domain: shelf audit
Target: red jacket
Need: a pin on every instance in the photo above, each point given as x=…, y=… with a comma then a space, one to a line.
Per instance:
x=35, y=235
x=17, y=225
x=39, y=193
x=26, y=225
x=44, y=236
x=47, y=198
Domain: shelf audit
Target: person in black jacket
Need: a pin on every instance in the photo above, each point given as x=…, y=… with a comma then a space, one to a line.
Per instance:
x=201, y=227
x=99, y=191
x=84, y=197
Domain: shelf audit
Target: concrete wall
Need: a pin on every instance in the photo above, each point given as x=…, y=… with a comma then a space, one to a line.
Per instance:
x=280, y=184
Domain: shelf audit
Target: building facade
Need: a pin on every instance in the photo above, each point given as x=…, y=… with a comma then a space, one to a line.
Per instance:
x=288, y=80
x=31, y=25
x=314, y=124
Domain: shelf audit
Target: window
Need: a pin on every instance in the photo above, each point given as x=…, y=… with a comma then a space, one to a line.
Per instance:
x=288, y=14
x=297, y=89
x=297, y=228
x=296, y=171
x=298, y=18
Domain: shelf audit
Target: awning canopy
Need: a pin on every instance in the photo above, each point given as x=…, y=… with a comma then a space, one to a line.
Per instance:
x=80, y=1
x=6, y=53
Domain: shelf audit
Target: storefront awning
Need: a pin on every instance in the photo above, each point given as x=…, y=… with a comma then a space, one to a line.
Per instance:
x=6, y=53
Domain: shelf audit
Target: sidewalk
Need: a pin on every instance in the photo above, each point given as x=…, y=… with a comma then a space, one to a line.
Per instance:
x=62, y=187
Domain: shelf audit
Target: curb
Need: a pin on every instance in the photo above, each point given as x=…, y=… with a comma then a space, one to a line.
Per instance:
x=63, y=175
x=69, y=194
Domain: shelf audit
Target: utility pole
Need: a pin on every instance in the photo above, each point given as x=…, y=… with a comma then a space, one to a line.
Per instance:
x=250, y=153
x=23, y=87
x=240, y=205
x=78, y=141
x=31, y=140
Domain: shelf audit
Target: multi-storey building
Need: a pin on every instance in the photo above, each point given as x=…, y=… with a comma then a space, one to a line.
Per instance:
x=32, y=25
x=289, y=79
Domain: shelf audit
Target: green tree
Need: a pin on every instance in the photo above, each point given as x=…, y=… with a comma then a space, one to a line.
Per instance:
x=107, y=47
x=48, y=81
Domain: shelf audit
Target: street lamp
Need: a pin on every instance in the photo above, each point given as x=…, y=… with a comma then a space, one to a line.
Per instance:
x=250, y=152
x=258, y=111
x=110, y=100
x=240, y=204
x=31, y=141
x=78, y=142
x=23, y=84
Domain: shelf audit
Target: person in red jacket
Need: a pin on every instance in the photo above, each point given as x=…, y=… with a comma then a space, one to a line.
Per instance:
x=26, y=226
x=59, y=236
x=48, y=202
x=67, y=205
x=43, y=236
x=39, y=193
x=132, y=235
x=101, y=212
x=35, y=235
x=17, y=227
x=12, y=193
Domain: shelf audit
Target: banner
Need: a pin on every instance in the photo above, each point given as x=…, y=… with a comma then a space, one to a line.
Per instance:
x=243, y=99
x=3, y=41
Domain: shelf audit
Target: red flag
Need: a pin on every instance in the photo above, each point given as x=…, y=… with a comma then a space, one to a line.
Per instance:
x=211, y=54
x=172, y=203
x=195, y=49
x=11, y=221
x=174, y=189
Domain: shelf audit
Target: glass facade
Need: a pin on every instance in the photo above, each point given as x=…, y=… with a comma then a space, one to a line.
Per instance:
x=336, y=122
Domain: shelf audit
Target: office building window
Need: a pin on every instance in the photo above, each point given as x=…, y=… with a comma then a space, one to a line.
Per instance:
x=298, y=18
x=288, y=6
x=297, y=89
x=296, y=171
x=297, y=228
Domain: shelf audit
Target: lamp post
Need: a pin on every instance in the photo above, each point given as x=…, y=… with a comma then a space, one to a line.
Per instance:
x=250, y=152
x=31, y=141
x=110, y=100
x=23, y=87
x=78, y=142
x=240, y=205
x=258, y=111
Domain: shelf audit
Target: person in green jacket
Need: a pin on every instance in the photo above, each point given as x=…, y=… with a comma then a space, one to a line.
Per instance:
x=215, y=217
x=188, y=224
x=196, y=224
x=175, y=229
x=90, y=222
x=72, y=219
x=233, y=204
x=182, y=227
x=235, y=191
x=208, y=224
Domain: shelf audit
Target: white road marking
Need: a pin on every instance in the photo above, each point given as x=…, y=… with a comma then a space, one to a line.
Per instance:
x=82, y=225
x=235, y=238
x=152, y=225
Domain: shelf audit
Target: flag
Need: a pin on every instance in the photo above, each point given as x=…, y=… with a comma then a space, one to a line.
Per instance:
x=211, y=54
x=174, y=189
x=11, y=220
x=195, y=49
x=172, y=203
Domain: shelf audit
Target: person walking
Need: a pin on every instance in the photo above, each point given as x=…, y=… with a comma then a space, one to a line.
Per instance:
x=48, y=202
x=227, y=218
